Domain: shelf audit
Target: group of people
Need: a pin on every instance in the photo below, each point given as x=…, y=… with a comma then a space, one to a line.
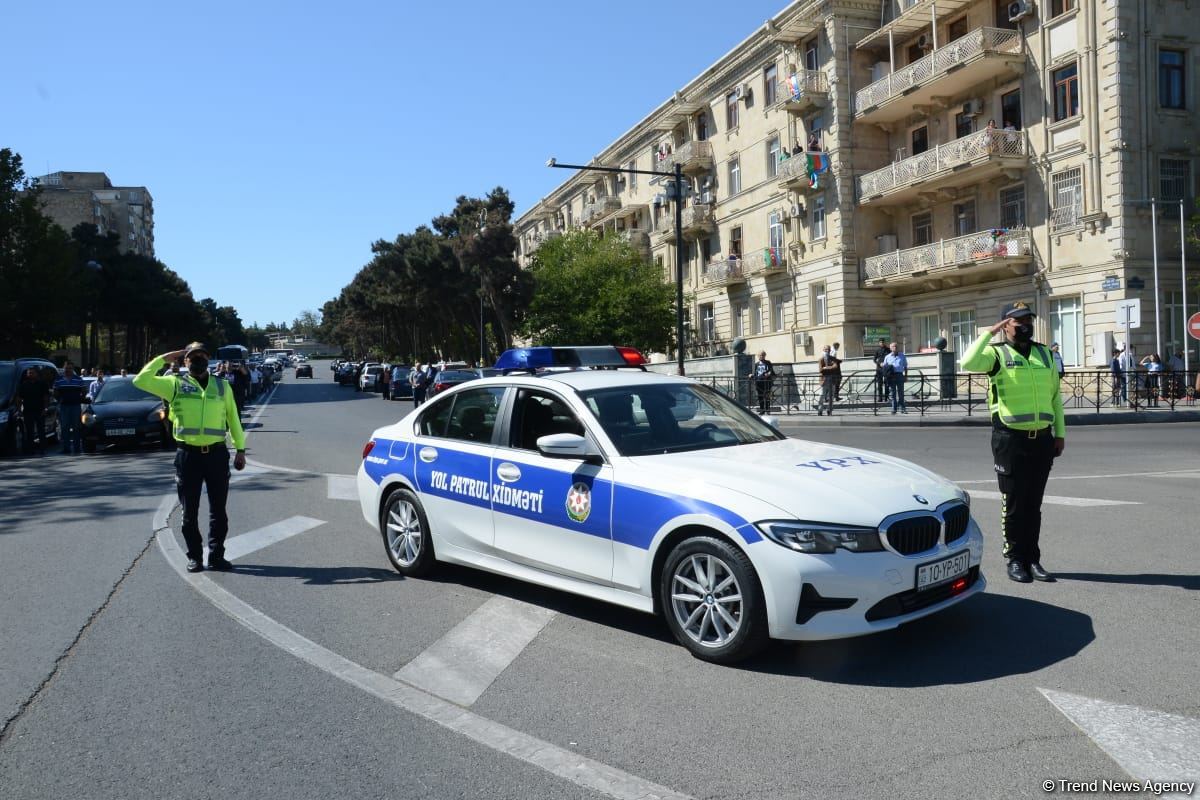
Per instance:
x=33, y=397
x=891, y=370
x=1167, y=379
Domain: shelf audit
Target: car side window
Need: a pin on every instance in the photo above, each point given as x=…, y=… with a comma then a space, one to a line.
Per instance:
x=435, y=419
x=473, y=415
x=538, y=414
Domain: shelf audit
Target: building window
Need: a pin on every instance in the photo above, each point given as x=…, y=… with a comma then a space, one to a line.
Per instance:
x=818, y=218
x=920, y=140
x=1067, y=196
x=772, y=156
x=1002, y=20
x=820, y=304
x=922, y=229
x=708, y=323
x=731, y=111
x=632, y=175
x=963, y=124
x=1010, y=109
x=1012, y=207
x=739, y=319
x=1066, y=92
x=811, y=61
x=1174, y=177
x=1171, y=79
x=770, y=85
x=735, y=242
x=816, y=129
x=962, y=330
x=702, y=127
x=735, y=176
x=957, y=29
x=755, y=316
x=964, y=218
x=1066, y=328
x=775, y=232
x=925, y=331
x=1061, y=7
x=706, y=252
x=778, y=306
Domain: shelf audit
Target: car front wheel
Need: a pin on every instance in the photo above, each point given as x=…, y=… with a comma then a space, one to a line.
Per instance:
x=712, y=600
x=405, y=531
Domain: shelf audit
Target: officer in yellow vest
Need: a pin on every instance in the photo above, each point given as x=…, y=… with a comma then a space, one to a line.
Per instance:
x=202, y=411
x=1028, y=431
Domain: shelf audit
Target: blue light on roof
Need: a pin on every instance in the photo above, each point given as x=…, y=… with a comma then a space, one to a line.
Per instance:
x=526, y=358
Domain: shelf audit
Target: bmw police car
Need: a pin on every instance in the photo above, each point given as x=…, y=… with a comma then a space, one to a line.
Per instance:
x=661, y=494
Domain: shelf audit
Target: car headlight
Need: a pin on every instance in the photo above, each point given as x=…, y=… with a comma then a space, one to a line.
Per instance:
x=820, y=537
x=88, y=418
x=155, y=416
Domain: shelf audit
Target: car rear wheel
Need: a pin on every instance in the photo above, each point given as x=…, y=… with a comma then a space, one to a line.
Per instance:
x=712, y=600
x=405, y=531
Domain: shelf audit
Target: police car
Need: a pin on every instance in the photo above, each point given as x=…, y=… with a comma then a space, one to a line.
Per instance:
x=660, y=494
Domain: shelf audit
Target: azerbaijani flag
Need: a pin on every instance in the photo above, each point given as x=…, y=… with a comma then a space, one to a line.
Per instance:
x=817, y=163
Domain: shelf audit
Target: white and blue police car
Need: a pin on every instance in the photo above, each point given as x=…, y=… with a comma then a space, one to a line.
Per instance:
x=664, y=495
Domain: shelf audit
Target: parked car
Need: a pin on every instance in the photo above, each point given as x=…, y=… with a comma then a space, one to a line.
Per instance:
x=402, y=389
x=123, y=414
x=347, y=374
x=447, y=378
x=11, y=424
x=372, y=378
x=304, y=371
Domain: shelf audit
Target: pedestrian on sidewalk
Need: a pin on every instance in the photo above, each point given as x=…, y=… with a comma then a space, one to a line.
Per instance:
x=70, y=392
x=33, y=396
x=417, y=379
x=830, y=370
x=881, y=353
x=1058, y=360
x=895, y=371
x=836, y=352
x=763, y=375
x=1154, y=368
x=1028, y=430
x=203, y=413
x=1119, y=391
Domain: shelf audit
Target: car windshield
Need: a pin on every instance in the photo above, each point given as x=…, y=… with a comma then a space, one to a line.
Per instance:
x=374, y=370
x=671, y=418
x=121, y=391
x=8, y=379
x=447, y=376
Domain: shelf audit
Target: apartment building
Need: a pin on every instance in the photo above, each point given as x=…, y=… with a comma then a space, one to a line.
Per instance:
x=71, y=198
x=904, y=168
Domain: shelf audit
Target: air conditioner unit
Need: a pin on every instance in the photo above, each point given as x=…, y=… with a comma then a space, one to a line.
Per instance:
x=785, y=214
x=796, y=210
x=660, y=199
x=739, y=91
x=972, y=108
x=744, y=91
x=1019, y=10
x=925, y=41
x=802, y=339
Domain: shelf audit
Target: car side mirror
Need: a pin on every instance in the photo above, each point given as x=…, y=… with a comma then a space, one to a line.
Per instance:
x=770, y=420
x=568, y=445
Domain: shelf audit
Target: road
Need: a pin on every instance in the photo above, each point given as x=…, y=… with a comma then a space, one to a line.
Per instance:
x=121, y=676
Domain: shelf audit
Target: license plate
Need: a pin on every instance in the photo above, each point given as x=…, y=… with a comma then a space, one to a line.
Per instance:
x=120, y=432
x=939, y=572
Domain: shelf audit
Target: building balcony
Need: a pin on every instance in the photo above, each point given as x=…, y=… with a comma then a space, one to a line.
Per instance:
x=693, y=158
x=600, y=209
x=698, y=220
x=769, y=261
x=638, y=237
x=804, y=91
x=937, y=172
x=722, y=271
x=951, y=262
x=793, y=174
x=949, y=71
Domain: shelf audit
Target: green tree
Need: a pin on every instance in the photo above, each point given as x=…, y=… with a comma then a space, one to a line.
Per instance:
x=307, y=323
x=589, y=289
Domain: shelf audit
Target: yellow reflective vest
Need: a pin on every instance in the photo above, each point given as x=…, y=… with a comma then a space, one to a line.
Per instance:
x=1024, y=392
x=200, y=415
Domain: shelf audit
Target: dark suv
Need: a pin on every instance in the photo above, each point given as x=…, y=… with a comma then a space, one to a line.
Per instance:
x=11, y=424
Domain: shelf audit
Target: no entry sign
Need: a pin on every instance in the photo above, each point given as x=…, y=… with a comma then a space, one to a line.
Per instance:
x=1194, y=325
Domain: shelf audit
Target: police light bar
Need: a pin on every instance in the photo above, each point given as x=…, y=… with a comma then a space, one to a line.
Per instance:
x=596, y=357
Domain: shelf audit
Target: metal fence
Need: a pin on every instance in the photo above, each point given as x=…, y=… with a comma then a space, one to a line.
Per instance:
x=966, y=392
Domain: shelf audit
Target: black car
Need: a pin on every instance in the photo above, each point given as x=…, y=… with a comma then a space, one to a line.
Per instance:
x=447, y=378
x=402, y=389
x=347, y=374
x=304, y=371
x=124, y=414
x=11, y=425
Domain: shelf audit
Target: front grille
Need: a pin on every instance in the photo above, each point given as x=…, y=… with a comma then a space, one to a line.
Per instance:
x=907, y=602
x=914, y=534
x=957, y=517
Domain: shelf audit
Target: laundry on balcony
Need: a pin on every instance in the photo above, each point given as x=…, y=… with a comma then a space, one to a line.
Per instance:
x=817, y=164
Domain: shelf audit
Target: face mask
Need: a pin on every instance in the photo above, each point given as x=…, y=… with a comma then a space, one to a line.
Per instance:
x=1023, y=333
x=198, y=366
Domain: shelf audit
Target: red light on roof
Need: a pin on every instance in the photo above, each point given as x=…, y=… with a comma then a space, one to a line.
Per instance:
x=368, y=447
x=632, y=357
x=958, y=585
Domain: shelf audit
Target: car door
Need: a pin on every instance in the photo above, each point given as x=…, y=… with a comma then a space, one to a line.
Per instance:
x=551, y=513
x=49, y=374
x=453, y=464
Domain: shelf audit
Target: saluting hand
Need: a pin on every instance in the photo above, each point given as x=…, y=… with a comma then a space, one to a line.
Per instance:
x=1005, y=325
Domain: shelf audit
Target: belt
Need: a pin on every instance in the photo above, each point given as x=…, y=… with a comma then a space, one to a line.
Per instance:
x=200, y=448
x=1000, y=426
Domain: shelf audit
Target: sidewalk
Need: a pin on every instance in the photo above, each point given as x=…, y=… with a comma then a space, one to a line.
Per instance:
x=937, y=417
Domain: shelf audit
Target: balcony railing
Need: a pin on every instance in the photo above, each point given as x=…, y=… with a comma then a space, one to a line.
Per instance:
x=598, y=209
x=938, y=63
x=638, y=237
x=721, y=271
x=768, y=261
x=980, y=146
x=970, y=249
x=793, y=172
x=697, y=218
x=803, y=90
x=694, y=156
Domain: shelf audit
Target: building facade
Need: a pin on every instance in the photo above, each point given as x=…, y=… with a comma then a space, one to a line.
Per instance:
x=904, y=168
x=71, y=198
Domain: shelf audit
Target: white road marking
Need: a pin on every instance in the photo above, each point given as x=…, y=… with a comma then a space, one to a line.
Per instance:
x=1149, y=745
x=463, y=664
x=558, y=761
x=246, y=543
x=1055, y=500
x=1160, y=474
x=342, y=487
x=249, y=471
x=262, y=407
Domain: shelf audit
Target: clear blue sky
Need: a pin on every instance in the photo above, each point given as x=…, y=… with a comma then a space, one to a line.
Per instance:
x=279, y=140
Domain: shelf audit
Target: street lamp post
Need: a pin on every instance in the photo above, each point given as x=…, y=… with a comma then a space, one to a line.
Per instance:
x=677, y=195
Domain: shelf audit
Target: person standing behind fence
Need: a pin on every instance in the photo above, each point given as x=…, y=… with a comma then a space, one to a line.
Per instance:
x=763, y=375
x=831, y=375
x=1058, y=360
x=1154, y=368
x=1119, y=392
x=881, y=352
x=895, y=371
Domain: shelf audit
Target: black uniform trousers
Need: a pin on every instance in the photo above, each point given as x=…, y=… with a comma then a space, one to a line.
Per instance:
x=1022, y=468
x=195, y=470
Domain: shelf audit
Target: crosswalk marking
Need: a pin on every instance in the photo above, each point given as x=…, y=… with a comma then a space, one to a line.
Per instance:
x=341, y=487
x=246, y=543
x=1055, y=500
x=461, y=665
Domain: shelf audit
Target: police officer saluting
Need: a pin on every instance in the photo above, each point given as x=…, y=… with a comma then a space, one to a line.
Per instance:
x=1027, y=431
x=203, y=411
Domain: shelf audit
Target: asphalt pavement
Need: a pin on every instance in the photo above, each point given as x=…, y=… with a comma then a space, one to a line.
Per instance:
x=125, y=678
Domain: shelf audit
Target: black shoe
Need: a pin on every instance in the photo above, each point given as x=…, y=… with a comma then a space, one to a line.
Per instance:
x=1018, y=573
x=1039, y=573
x=219, y=563
x=194, y=565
